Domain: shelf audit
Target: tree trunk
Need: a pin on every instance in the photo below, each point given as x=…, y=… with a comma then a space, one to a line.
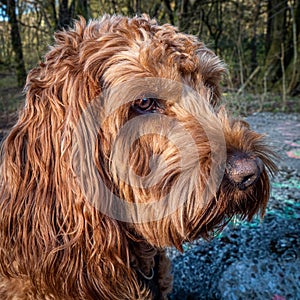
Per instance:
x=82, y=9
x=254, y=62
x=16, y=42
x=65, y=14
x=53, y=14
x=169, y=11
x=293, y=68
x=275, y=38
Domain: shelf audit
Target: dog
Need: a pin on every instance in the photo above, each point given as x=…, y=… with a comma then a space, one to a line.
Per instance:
x=121, y=150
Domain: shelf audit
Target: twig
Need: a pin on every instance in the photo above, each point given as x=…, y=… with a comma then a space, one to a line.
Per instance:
x=241, y=89
x=293, y=78
x=283, y=78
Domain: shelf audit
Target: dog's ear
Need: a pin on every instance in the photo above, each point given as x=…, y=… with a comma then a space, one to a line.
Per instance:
x=61, y=73
x=51, y=229
x=212, y=69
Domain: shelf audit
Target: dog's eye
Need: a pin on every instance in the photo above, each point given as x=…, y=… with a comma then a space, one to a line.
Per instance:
x=145, y=104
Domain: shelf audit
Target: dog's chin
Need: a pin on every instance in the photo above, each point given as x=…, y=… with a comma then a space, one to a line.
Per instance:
x=230, y=202
x=208, y=220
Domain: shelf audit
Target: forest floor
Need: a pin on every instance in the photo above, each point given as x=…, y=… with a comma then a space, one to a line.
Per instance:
x=257, y=260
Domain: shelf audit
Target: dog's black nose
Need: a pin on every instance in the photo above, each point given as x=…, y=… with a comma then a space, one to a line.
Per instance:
x=243, y=170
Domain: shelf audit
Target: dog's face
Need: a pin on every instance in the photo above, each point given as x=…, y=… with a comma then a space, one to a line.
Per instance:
x=148, y=145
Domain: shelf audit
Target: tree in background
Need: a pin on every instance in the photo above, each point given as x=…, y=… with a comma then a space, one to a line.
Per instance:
x=276, y=36
x=293, y=62
x=70, y=10
x=9, y=6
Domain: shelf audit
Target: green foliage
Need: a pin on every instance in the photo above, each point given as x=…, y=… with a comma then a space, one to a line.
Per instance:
x=10, y=95
x=245, y=104
x=8, y=81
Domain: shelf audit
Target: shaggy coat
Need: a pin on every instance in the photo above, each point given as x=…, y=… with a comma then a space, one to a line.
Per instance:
x=60, y=237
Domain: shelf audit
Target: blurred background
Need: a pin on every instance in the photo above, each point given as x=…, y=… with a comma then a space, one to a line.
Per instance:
x=259, y=40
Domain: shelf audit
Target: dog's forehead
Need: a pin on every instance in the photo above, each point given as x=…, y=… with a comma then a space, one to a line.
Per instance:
x=143, y=32
x=141, y=47
x=115, y=49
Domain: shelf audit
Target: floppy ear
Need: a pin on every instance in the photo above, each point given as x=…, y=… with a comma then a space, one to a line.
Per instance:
x=49, y=231
x=212, y=70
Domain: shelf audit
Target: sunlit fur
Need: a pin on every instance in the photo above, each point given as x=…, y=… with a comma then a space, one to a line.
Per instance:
x=54, y=244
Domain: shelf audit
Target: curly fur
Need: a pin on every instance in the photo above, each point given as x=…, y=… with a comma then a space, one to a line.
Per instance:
x=54, y=244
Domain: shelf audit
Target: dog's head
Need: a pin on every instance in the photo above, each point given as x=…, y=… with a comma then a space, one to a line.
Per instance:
x=122, y=126
x=162, y=156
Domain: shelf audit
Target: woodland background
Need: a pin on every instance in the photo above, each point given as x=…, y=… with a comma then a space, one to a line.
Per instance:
x=258, y=40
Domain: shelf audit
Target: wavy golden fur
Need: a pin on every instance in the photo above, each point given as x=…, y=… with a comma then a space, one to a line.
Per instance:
x=55, y=243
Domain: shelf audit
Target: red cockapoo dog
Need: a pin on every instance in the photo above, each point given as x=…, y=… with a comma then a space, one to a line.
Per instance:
x=119, y=152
